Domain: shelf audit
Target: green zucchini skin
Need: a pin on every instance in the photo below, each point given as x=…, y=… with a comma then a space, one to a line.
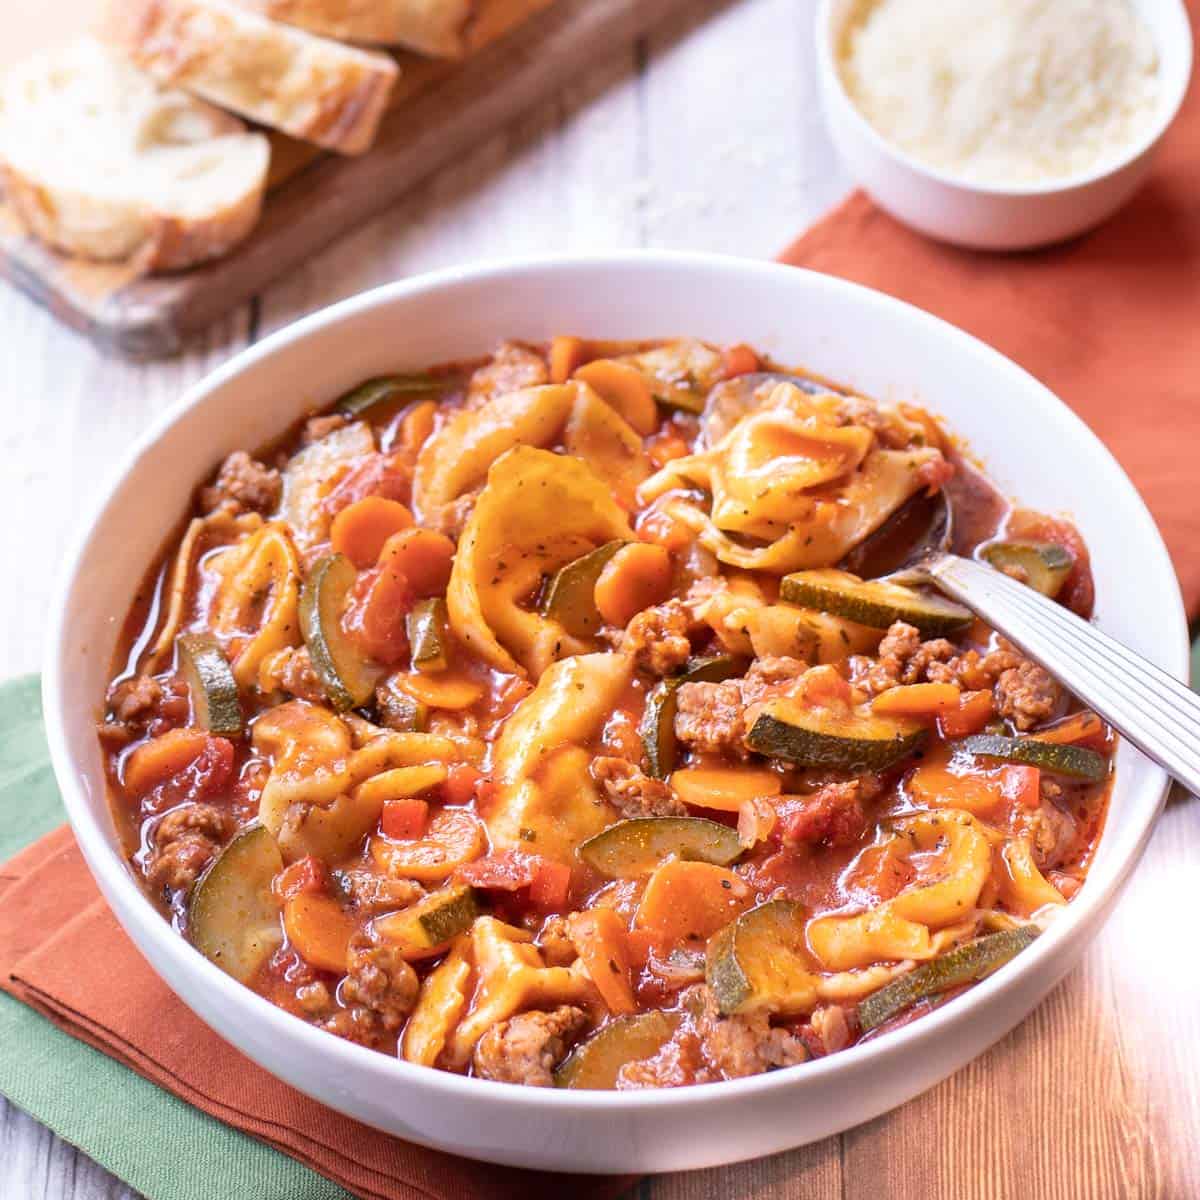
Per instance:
x=233, y=919
x=657, y=726
x=346, y=676
x=595, y=1063
x=426, y=626
x=570, y=597
x=210, y=681
x=875, y=604
x=1045, y=565
x=400, y=711
x=759, y=962
x=634, y=847
x=813, y=738
x=437, y=919
x=384, y=389
x=1078, y=762
x=967, y=963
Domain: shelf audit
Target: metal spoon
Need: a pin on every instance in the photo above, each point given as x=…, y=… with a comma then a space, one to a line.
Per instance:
x=1154, y=711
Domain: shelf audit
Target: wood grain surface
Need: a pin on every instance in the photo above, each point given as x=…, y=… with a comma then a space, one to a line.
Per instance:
x=704, y=136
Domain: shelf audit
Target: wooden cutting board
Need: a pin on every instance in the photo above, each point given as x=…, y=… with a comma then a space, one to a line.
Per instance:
x=522, y=52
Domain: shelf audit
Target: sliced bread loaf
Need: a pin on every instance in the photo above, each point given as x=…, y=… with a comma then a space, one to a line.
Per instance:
x=101, y=162
x=433, y=27
x=310, y=87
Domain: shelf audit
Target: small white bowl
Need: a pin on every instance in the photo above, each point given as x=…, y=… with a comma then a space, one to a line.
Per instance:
x=1036, y=449
x=985, y=217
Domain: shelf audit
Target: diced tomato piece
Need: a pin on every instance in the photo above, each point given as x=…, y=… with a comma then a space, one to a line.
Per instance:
x=826, y=687
x=376, y=475
x=738, y=360
x=1021, y=784
x=666, y=445
x=307, y=875
x=974, y=711
x=485, y=796
x=663, y=530
x=508, y=871
x=460, y=783
x=551, y=884
x=208, y=773
x=379, y=602
x=405, y=818
x=548, y=882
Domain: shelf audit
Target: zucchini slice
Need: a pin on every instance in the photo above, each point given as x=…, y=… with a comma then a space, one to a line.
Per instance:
x=658, y=718
x=760, y=962
x=426, y=625
x=595, y=1064
x=427, y=927
x=400, y=711
x=233, y=917
x=1044, y=566
x=214, y=692
x=635, y=847
x=967, y=963
x=1076, y=761
x=816, y=737
x=384, y=388
x=570, y=598
x=348, y=678
x=873, y=602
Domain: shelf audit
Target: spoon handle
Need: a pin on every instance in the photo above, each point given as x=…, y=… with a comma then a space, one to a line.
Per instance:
x=1156, y=712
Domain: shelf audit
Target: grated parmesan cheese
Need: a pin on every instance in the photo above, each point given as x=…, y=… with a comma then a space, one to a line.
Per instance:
x=1002, y=91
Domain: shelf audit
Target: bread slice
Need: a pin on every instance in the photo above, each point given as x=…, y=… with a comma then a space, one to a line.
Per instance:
x=313, y=88
x=97, y=160
x=433, y=27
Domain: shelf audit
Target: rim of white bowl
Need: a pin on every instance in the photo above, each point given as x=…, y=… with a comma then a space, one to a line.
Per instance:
x=827, y=65
x=123, y=893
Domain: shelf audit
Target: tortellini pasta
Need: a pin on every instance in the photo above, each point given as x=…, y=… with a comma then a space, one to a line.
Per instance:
x=547, y=802
x=256, y=606
x=455, y=461
x=952, y=853
x=790, y=486
x=538, y=511
x=312, y=800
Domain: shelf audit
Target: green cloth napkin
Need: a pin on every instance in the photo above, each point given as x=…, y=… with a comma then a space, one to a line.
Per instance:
x=159, y=1145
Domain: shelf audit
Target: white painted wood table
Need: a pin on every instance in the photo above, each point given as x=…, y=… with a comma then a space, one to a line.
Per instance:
x=705, y=136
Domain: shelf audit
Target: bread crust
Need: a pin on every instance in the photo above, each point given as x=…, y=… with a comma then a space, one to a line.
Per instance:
x=432, y=27
x=109, y=230
x=155, y=178
x=312, y=88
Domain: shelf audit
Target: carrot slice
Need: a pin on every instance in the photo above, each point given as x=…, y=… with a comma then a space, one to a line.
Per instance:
x=918, y=700
x=566, y=355
x=724, y=788
x=319, y=929
x=360, y=530
x=738, y=360
x=601, y=939
x=422, y=556
x=636, y=577
x=974, y=711
x=690, y=901
x=155, y=761
x=417, y=425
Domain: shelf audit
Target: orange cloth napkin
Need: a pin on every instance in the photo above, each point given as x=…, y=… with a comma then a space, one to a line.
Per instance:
x=1109, y=322
x=63, y=953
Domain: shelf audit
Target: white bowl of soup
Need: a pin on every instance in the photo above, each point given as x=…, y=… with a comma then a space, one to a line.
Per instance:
x=482, y=840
